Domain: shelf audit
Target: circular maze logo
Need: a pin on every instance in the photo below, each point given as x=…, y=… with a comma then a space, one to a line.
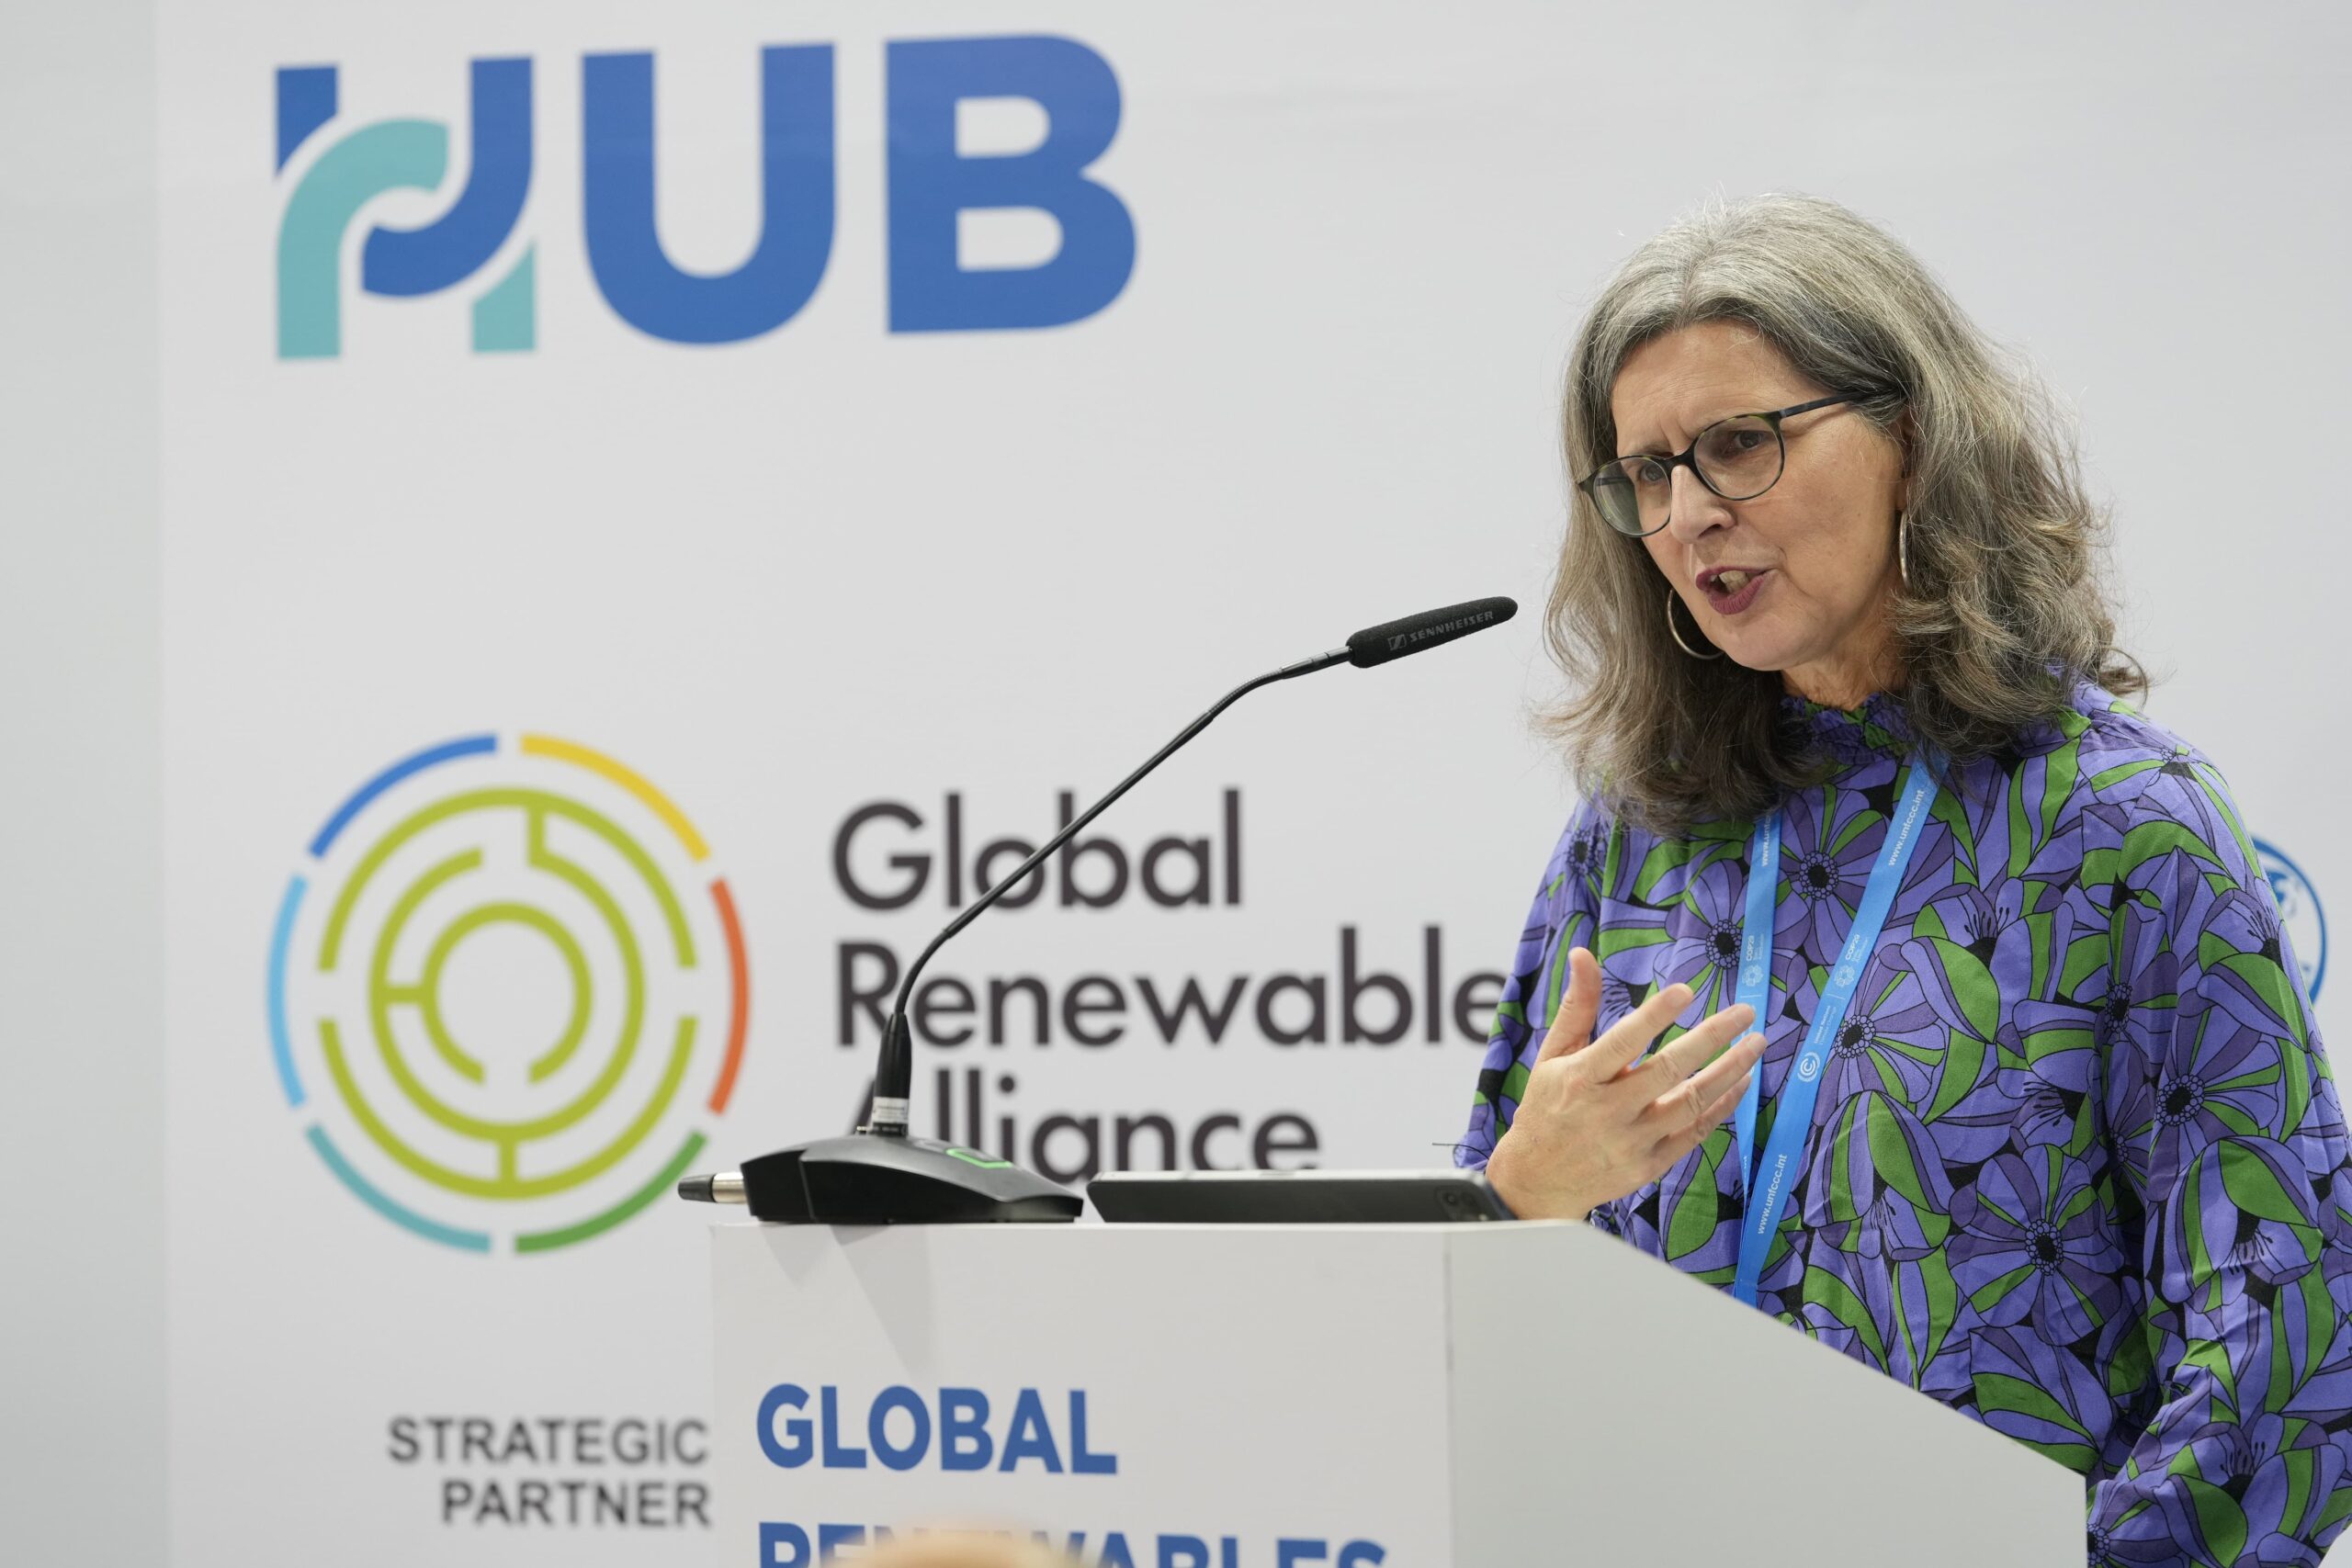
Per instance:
x=507, y=995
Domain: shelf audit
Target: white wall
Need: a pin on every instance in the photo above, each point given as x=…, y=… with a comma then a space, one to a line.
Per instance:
x=81, y=939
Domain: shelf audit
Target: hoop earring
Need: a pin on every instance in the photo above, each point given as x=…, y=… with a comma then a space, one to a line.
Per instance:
x=1902, y=549
x=1676, y=632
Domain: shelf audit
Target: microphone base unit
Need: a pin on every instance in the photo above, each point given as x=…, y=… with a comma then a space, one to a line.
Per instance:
x=866, y=1179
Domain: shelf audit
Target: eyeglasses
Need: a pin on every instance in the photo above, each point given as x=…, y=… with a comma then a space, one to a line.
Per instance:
x=1738, y=458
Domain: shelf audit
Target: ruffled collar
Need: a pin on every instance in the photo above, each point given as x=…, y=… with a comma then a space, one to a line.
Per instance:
x=1879, y=728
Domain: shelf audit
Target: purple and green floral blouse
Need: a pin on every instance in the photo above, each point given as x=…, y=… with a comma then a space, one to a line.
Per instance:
x=2077, y=1167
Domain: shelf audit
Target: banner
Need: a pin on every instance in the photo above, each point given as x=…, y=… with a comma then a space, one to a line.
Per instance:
x=664, y=506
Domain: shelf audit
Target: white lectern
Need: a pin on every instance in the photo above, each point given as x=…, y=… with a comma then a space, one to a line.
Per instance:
x=1476, y=1395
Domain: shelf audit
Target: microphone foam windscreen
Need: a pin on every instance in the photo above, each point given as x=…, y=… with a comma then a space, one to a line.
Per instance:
x=1430, y=628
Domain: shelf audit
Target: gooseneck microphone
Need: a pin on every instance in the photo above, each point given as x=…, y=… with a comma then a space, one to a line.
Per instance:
x=879, y=1175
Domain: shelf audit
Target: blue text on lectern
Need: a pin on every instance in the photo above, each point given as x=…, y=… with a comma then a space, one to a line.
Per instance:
x=786, y=1545
x=902, y=1430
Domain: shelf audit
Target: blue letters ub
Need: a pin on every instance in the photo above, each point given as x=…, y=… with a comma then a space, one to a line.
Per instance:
x=403, y=154
x=931, y=182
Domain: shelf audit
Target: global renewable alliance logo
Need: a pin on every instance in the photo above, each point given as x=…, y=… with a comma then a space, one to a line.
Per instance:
x=507, y=995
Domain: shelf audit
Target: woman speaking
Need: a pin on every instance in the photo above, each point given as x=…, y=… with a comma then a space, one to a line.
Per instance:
x=1979, y=1052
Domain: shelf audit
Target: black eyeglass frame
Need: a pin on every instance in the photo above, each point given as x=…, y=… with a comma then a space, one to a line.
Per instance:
x=1687, y=457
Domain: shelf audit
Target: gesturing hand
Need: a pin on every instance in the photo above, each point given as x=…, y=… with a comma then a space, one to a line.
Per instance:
x=1591, y=1126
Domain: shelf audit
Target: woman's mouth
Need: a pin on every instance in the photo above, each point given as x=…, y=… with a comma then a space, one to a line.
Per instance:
x=1731, y=589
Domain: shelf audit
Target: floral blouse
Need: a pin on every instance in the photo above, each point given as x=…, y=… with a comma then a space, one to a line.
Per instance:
x=2077, y=1167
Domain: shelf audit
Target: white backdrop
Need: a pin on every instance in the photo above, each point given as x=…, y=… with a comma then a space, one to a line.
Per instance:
x=834, y=565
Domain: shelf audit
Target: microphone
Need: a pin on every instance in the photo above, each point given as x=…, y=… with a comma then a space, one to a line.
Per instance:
x=1430, y=628
x=880, y=1175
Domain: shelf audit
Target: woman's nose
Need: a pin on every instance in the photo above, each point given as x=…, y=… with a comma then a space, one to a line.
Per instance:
x=1694, y=510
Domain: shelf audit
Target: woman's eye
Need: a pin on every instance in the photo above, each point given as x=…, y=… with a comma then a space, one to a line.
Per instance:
x=1649, y=471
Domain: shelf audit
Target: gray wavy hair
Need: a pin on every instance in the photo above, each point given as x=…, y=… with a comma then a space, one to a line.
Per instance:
x=2002, y=611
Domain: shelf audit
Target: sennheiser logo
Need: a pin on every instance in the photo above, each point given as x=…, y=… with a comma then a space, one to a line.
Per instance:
x=1406, y=640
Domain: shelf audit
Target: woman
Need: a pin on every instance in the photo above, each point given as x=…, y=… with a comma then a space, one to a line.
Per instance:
x=1977, y=1055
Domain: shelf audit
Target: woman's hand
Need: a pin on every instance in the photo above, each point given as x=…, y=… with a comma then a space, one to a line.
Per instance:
x=1591, y=1125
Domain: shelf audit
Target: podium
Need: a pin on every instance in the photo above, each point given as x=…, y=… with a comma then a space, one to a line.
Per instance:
x=1408, y=1396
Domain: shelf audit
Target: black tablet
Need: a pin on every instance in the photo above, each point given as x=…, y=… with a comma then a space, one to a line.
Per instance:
x=1296, y=1197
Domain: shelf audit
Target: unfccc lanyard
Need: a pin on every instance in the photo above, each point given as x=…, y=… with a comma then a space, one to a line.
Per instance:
x=1793, y=1120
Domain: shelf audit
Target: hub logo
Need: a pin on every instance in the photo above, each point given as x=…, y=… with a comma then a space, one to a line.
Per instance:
x=2299, y=912
x=507, y=996
x=931, y=181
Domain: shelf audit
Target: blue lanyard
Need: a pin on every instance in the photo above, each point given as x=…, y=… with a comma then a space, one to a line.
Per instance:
x=1793, y=1122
